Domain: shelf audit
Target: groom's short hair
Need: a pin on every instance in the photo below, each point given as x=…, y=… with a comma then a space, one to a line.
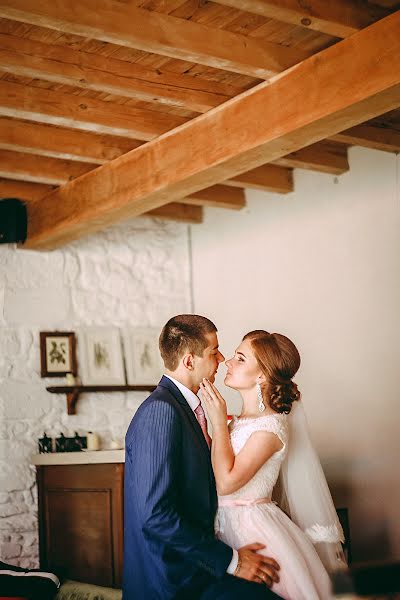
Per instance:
x=184, y=333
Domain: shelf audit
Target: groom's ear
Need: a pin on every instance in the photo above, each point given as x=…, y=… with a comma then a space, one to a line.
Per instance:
x=188, y=361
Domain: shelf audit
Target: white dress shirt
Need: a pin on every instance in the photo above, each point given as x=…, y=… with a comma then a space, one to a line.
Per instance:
x=194, y=402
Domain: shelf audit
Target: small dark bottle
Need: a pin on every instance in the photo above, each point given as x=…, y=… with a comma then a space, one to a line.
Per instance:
x=80, y=442
x=45, y=444
x=61, y=443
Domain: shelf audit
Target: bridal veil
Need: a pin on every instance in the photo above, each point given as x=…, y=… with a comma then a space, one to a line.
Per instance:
x=304, y=493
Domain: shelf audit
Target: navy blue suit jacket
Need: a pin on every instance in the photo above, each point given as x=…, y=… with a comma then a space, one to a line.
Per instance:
x=170, y=502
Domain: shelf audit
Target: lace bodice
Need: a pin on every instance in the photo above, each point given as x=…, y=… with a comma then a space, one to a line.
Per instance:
x=263, y=482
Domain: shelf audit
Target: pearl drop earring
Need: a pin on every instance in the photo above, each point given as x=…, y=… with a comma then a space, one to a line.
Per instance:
x=261, y=405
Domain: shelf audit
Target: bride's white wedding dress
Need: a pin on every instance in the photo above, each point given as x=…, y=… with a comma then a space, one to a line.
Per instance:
x=249, y=515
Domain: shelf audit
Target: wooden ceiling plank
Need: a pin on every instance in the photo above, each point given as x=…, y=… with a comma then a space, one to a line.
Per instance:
x=370, y=136
x=269, y=178
x=60, y=64
x=177, y=212
x=24, y=190
x=326, y=157
x=340, y=18
x=127, y=25
x=87, y=114
x=29, y=191
x=219, y=196
x=40, y=169
x=353, y=81
x=68, y=144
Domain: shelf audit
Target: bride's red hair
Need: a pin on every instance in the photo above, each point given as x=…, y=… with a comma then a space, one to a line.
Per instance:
x=279, y=360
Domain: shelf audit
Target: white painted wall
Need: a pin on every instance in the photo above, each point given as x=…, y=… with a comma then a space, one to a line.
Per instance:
x=138, y=275
x=322, y=265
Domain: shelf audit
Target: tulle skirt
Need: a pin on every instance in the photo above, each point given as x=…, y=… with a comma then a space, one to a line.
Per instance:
x=302, y=574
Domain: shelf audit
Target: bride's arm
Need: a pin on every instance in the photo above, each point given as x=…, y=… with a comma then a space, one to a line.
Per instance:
x=231, y=472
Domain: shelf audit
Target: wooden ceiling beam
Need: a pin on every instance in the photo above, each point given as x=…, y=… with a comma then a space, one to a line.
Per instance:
x=60, y=64
x=340, y=18
x=29, y=170
x=29, y=192
x=126, y=25
x=177, y=212
x=353, y=81
x=68, y=144
x=57, y=142
x=370, y=136
x=40, y=169
x=326, y=157
x=46, y=140
x=219, y=196
x=269, y=178
x=24, y=190
x=46, y=106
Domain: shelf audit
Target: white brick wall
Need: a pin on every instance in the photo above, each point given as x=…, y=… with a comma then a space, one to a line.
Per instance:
x=135, y=274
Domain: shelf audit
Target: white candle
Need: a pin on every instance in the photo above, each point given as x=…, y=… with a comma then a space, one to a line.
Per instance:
x=93, y=441
x=70, y=379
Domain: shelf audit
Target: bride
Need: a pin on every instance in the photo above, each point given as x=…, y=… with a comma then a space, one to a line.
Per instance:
x=270, y=440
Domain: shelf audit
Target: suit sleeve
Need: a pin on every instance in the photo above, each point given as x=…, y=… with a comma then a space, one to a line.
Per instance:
x=155, y=463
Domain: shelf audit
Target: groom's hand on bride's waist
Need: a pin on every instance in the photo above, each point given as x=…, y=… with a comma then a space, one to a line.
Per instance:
x=256, y=567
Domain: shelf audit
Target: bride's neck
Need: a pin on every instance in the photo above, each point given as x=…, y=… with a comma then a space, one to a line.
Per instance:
x=250, y=405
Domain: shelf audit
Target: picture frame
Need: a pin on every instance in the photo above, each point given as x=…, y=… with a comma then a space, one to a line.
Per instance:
x=142, y=356
x=101, y=356
x=57, y=353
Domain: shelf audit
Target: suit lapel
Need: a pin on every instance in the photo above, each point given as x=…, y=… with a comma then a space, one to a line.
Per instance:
x=198, y=435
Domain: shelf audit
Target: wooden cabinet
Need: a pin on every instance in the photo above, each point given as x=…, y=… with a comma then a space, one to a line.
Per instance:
x=81, y=521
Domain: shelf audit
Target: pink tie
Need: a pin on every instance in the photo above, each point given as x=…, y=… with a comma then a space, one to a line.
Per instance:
x=201, y=417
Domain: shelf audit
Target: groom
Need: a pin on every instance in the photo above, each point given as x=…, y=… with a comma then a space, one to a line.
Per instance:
x=171, y=552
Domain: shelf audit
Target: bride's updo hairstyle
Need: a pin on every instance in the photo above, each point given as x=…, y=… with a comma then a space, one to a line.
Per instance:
x=279, y=360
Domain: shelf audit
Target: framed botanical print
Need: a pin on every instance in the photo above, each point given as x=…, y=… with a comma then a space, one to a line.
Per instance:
x=101, y=356
x=142, y=356
x=57, y=353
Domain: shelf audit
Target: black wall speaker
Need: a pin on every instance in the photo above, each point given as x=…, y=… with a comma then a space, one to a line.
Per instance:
x=13, y=221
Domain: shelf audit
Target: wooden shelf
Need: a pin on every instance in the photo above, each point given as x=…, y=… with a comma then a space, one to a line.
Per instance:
x=73, y=391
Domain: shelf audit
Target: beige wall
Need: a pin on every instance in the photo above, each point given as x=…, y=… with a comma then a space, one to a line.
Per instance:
x=322, y=265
